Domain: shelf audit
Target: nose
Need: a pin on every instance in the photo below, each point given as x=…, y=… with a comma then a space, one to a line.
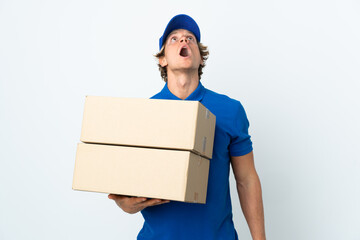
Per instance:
x=183, y=39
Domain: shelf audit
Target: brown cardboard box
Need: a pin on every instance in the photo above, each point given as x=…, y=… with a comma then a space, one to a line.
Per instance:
x=146, y=172
x=170, y=124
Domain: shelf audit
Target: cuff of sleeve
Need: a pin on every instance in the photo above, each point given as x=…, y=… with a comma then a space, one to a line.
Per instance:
x=241, y=152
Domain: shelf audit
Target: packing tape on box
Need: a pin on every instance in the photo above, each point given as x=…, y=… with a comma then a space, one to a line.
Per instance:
x=204, y=144
x=196, y=197
x=207, y=114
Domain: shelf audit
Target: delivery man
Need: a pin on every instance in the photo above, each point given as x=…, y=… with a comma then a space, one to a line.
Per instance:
x=181, y=60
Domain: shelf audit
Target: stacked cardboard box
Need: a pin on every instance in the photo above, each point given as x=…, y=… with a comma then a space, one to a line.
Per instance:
x=145, y=147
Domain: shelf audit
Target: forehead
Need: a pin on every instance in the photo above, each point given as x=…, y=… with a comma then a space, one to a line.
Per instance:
x=181, y=31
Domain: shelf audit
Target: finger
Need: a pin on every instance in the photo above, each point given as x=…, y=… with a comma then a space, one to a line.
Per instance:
x=112, y=196
x=138, y=200
x=159, y=203
x=116, y=197
x=153, y=202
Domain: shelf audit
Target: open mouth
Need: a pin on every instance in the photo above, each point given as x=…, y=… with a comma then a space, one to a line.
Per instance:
x=184, y=52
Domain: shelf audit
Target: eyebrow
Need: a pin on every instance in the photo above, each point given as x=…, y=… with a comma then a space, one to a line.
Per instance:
x=175, y=32
x=172, y=33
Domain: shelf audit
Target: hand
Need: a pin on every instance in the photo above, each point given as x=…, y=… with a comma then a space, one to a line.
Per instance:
x=134, y=204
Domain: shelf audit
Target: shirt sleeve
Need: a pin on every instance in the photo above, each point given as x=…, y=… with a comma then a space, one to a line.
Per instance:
x=240, y=143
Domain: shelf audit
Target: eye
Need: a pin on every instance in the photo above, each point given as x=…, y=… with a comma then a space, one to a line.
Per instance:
x=190, y=38
x=173, y=39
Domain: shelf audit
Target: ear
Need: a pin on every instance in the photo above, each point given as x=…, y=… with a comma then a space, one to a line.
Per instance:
x=162, y=61
x=202, y=62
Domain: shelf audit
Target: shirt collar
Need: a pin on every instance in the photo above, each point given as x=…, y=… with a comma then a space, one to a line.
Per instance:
x=196, y=95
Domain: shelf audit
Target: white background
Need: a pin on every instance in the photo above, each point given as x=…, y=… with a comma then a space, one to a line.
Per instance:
x=295, y=66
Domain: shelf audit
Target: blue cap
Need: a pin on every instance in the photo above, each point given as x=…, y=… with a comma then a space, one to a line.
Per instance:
x=180, y=21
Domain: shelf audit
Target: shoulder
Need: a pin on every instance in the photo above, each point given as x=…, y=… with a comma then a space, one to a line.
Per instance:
x=156, y=96
x=223, y=103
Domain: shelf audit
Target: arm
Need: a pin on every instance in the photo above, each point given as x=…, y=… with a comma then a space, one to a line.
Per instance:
x=249, y=191
x=134, y=204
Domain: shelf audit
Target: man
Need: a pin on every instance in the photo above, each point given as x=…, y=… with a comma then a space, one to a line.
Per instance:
x=181, y=59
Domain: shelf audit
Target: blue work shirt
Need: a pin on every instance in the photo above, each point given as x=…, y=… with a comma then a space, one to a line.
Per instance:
x=213, y=220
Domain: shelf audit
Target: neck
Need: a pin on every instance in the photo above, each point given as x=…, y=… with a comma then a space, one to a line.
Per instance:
x=182, y=84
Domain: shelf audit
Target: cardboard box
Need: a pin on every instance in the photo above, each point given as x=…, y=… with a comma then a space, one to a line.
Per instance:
x=144, y=172
x=170, y=124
